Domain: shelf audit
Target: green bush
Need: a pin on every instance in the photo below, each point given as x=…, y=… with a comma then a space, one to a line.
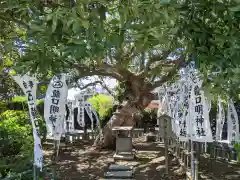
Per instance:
x=16, y=150
x=107, y=115
x=101, y=103
x=18, y=103
x=103, y=106
x=237, y=149
x=19, y=99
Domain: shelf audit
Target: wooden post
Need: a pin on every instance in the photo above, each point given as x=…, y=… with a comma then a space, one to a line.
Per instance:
x=205, y=147
x=159, y=135
x=165, y=120
x=166, y=144
x=192, y=161
x=54, y=160
x=35, y=172
x=196, y=162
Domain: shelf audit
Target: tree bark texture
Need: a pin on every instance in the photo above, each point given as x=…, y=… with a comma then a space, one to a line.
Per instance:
x=126, y=116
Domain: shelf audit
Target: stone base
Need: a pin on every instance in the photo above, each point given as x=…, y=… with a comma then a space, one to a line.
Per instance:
x=123, y=156
x=119, y=175
x=119, y=172
x=150, y=137
x=115, y=167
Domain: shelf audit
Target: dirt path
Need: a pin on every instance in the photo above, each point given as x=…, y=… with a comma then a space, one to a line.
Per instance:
x=80, y=162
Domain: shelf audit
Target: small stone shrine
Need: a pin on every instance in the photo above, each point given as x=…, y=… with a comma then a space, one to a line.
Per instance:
x=119, y=172
x=124, y=150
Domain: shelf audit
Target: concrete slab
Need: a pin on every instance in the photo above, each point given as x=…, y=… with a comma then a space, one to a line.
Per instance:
x=123, y=156
x=119, y=174
x=118, y=179
x=115, y=167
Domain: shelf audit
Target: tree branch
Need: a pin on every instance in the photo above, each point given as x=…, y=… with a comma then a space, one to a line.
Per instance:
x=6, y=18
x=173, y=71
x=105, y=86
x=155, y=58
x=89, y=84
x=103, y=70
x=142, y=61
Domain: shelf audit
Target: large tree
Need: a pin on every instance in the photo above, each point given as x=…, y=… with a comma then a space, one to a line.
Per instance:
x=141, y=43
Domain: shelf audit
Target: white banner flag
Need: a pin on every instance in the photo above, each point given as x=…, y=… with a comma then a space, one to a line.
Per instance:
x=88, y=109
x=29, y=86
x=183, y=121
x=80, y=105
x=220, y=119
x=232, y=123
x=54, y=106
x=199, y=113
x=162, y=106
x=97, y=119
x=70, y=121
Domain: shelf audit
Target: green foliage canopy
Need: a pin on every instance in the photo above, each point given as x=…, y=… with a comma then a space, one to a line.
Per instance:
x=127, y=40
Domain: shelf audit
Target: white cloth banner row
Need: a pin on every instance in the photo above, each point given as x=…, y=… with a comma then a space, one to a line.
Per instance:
x=189, y=109
x=54, y=109
x=232, y=123
x=29, y=86
x=54, y=106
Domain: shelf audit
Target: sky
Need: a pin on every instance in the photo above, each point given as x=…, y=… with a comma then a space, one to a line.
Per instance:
x=111, y=83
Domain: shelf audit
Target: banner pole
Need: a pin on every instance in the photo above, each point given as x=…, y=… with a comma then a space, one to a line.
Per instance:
x=34, y=172
x=54, y=160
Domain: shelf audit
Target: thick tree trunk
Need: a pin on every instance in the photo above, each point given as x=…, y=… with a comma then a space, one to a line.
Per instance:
x=126, y=116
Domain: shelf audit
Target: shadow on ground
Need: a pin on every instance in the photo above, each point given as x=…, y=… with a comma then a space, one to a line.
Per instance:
x=219, y=170
x=80, y=162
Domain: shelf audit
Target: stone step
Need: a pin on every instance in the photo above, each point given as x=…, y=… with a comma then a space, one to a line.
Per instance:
x=119, y=179
x=118, y=174
x=123, y=156
x=116, y=167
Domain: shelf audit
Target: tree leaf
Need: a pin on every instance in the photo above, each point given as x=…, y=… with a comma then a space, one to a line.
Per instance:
x=85, y=24
x=54, y=23
x=235, y=8
x=35, y=27
x=76, y=26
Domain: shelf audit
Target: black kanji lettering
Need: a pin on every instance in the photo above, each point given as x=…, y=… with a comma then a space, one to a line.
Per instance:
x=234, y=127
x=55, y=101
x=182, y=132
x=30, y=83
x=198, y=131
x=233, y=134
x=53, y=118
x=184, y=124
x=199, y=120
x=198, y=99
x=199, y=108
x=54, y=109
x=25, y=85
x=57, y=84
x=33, y=112
x=233, y=119
x=29, y=96
x=36, y=124
x=56, y=94
x=197, y=91
x=180, y=114
x=203, y=133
